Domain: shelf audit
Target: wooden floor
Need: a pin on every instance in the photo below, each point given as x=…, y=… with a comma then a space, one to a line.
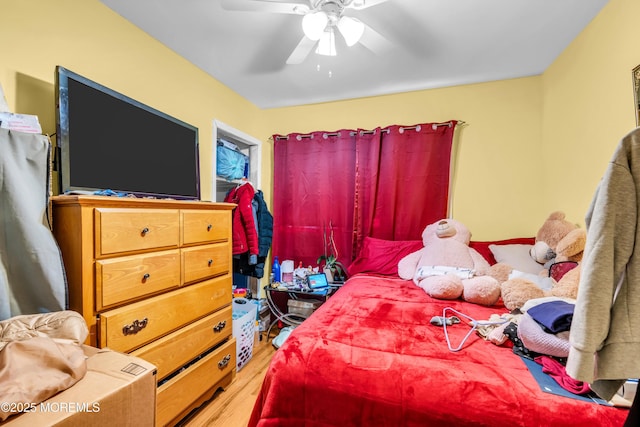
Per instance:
x=232, y=407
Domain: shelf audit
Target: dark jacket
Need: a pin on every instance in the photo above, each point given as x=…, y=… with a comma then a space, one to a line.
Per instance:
x=264, y=223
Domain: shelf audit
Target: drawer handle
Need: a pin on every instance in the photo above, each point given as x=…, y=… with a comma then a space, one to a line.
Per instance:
x=210, y=262
x=145, y=277
x=220, y=326
x=135, y=326
x=144, y=231
x=224, y=362
x=209, y=227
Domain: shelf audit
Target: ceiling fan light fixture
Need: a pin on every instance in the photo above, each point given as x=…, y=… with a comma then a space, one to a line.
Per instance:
x=351, y=29
x=327, y=43
x=314, y=24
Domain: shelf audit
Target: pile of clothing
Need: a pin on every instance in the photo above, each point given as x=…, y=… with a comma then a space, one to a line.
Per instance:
x=542, y=334
x=540, y=331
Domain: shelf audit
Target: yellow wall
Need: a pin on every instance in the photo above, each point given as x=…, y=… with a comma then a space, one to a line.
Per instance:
x=87, y=37
x=496, y=190
x=530, y=146
x=589, y=106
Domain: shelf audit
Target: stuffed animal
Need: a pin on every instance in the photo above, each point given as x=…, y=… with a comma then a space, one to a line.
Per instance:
x=447, y=268
x=516, y=292
x=557, y=240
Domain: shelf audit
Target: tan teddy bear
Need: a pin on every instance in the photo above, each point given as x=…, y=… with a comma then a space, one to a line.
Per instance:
x=557, y=240
x=516, y=292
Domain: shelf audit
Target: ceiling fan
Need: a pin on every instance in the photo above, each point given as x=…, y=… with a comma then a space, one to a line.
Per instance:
x=320, y=20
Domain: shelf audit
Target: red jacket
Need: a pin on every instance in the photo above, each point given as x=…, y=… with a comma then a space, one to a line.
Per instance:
x=245, y=232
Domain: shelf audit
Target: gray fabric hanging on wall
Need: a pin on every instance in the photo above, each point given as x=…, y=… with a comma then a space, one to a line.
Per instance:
x=32, y=277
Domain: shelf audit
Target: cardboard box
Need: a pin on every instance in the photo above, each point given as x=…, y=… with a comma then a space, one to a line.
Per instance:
x=117, y=390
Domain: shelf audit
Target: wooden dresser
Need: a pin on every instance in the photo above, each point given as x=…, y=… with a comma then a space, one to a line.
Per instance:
x=153, y=278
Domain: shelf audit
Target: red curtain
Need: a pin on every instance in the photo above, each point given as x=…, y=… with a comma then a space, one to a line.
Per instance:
x=386, y=183
x=402, y=181
x=313, y=193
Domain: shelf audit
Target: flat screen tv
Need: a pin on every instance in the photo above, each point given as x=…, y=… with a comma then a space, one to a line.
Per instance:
x=108, y=141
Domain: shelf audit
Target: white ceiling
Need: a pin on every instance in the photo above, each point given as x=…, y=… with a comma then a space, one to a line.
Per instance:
x=432, y=43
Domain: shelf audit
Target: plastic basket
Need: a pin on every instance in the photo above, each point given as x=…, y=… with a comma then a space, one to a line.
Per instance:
x=244, y=329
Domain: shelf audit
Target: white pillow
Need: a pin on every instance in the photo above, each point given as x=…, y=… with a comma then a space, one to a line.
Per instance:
x=517, y=256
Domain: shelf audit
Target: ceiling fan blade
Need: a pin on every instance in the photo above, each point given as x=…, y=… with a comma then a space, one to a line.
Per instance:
x=295, y=7
x=375, y=42
x=363, y=4
x=301, y=51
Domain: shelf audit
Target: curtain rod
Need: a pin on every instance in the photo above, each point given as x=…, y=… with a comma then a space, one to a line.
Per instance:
x=417, y=128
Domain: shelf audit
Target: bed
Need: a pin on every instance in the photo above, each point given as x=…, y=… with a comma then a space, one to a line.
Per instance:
x=369, y=356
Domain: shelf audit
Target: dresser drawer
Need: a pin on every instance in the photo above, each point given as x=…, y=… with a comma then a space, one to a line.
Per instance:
x=128, y=278
x=176, y=349
x=182, y=390
x=205, y=226
x=128, y=230
x=127, y=328
x=201, y=262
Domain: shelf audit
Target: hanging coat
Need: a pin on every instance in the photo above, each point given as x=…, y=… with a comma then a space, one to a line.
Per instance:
x=32, y=275
x=244, y=230
x=605, y=330
x=264, y=222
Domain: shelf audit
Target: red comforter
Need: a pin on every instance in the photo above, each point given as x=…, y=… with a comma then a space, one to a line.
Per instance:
x=370, y=357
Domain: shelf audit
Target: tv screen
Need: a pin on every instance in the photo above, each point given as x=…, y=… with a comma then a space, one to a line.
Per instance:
x=109, y=141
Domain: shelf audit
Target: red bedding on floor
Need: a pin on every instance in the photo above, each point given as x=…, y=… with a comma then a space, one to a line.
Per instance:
x=370, y=357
